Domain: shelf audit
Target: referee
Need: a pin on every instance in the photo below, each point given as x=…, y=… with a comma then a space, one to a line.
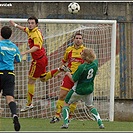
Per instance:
x=9, y=54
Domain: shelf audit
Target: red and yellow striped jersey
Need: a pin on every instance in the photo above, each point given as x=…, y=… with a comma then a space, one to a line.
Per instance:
x=35, y=38
x=72, y=56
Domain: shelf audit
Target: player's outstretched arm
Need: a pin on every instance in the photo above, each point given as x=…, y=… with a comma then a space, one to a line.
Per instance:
x=16, y=25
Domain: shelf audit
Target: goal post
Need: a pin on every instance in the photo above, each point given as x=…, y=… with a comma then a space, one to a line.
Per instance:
x=58, y=35
x=113, y=58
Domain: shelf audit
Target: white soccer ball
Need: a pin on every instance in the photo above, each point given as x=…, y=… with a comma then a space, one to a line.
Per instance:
x=73, y=7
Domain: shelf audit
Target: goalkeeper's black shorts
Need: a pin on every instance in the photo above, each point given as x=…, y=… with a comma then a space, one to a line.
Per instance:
x=7, y=82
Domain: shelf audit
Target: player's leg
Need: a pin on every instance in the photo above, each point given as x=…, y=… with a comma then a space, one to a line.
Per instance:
x=71, y=97
x=31, y=91
x=72, y=109
x=8, y=92
x=13, y=108
x=88, y=101
x=36, y=69
x=59, y=105
x=72, y=105
x=97, y=117
x=30, y=94
x=48, y=75
x=65, y=112
x=67, y=84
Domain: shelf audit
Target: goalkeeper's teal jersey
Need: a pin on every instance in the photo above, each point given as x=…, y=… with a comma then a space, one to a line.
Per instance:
x=84, y=76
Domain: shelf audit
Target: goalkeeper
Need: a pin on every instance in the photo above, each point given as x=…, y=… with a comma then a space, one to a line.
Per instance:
x=72, y=58
x=9, y=54
x=83, y=88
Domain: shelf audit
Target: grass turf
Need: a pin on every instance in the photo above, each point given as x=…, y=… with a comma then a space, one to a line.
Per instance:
x=36, y=124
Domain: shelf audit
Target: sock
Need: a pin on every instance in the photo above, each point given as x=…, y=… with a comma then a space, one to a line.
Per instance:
x=12, y=106
x=72, y=108
x=54, y=72
x=30, y=94
x=96, y=116
x=46, y=76
x=59, y=105
x=65, y=111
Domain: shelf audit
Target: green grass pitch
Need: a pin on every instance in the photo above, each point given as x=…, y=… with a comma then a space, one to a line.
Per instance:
x=36, y=124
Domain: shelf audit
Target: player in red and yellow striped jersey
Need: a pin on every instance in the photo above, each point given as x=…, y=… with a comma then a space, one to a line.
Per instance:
x=72, y=58
x=39, y=58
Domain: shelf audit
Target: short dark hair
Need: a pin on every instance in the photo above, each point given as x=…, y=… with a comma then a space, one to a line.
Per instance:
x=6, y=32
x=78, y=33
x=33, y=18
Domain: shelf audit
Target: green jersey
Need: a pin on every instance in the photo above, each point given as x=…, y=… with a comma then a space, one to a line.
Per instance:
x=84, y=76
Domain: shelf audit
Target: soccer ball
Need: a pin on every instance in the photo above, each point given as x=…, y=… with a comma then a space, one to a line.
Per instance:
x=73, y=7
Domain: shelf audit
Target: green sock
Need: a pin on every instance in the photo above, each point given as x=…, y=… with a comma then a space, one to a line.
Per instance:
x=96, y=116
x=65, y=111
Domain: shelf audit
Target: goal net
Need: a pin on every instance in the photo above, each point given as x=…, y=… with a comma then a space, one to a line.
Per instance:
x=58, y=35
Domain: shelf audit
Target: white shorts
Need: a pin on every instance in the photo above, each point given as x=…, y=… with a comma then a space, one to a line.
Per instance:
x=88, y=99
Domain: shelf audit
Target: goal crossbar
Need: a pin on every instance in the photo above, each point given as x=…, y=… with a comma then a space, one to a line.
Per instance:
x=69, y=21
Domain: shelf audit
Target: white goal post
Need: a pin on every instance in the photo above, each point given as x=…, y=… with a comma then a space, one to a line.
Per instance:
x=97, y=34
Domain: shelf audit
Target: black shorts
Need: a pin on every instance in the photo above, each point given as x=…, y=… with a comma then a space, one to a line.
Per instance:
x=7, y=83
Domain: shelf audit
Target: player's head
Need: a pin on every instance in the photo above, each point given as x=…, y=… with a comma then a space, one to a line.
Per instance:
x=88, y=55
x=32, y=22
x=78, y=39
x=6, y=32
